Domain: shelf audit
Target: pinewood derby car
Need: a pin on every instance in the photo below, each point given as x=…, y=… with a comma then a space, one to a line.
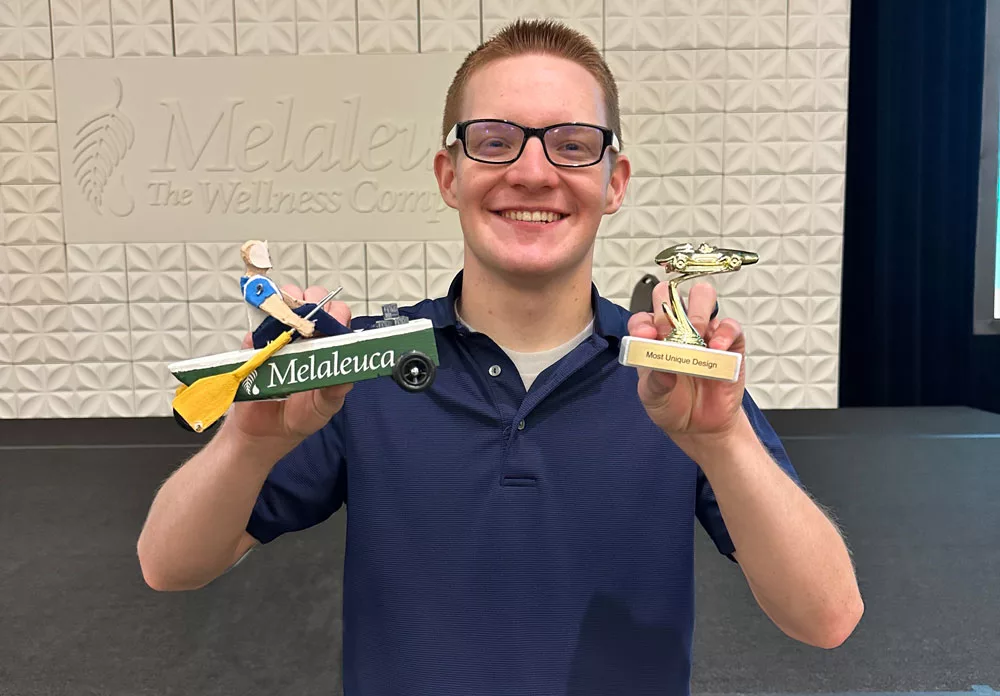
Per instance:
x=395, y=347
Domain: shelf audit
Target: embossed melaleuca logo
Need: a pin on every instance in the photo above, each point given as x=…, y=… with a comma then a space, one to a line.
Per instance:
x=101, y=145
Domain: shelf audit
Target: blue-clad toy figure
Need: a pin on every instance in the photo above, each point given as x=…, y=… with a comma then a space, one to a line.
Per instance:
x=271, y=312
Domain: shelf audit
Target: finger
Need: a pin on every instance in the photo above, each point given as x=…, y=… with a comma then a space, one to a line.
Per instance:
x=338, y=310
x=247, y=341
x=641, y=325
x=728, y=336
x=292, y=291
x=315, y=293
x=661, y=295
x=331, y=399
x=713, y=326
x=655, y=386
x=701, y=302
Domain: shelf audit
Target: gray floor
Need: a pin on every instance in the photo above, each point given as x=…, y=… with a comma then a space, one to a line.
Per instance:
x=978, y=690
x=916, y=491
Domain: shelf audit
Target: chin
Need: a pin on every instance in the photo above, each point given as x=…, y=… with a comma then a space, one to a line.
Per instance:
x=538, y=264
x=529, y=251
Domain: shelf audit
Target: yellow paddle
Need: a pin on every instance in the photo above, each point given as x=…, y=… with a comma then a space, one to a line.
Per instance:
x=208, y=399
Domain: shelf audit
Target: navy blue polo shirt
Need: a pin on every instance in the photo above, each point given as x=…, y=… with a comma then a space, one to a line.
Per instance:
x=503, y=542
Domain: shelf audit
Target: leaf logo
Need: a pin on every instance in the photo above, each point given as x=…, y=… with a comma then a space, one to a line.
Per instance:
x=249, y=384
x=100, y=147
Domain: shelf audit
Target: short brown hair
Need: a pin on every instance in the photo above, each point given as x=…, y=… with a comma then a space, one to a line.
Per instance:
x=538, y=36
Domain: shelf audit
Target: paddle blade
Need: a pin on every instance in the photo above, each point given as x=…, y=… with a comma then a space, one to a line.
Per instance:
x=207, y=400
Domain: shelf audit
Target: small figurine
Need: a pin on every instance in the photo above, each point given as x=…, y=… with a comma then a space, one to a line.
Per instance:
x=270, y=312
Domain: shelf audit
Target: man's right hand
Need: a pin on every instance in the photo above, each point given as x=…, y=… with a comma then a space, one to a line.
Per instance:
x=287, y=422
x=197, y=525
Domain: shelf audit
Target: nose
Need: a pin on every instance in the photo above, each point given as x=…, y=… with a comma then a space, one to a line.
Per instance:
x=532, y=169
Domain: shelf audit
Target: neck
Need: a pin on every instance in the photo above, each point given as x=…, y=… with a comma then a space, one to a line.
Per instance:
x=526, y=316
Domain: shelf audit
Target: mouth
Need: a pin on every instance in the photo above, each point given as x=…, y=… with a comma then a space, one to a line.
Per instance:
x=538, y=218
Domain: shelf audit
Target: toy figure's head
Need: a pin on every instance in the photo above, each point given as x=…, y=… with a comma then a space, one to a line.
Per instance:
x=255, y=255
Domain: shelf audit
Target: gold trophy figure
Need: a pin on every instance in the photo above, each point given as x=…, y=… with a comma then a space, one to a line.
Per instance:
x=684, y=350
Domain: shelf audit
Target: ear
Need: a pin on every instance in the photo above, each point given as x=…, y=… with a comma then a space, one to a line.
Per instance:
x=617, y=183
x=444, y=171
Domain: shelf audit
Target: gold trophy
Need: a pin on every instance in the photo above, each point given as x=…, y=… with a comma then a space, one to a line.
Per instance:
x=684, y=351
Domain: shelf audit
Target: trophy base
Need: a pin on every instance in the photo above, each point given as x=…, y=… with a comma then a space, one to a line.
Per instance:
x=665, y=356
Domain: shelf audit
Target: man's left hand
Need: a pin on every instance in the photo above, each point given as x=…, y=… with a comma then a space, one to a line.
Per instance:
x=682, y=405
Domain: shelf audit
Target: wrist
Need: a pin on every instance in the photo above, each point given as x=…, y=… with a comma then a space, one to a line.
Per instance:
x=252, y=451
x=718, y=448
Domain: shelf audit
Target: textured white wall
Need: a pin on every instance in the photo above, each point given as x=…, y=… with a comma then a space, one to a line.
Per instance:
x=734, y=117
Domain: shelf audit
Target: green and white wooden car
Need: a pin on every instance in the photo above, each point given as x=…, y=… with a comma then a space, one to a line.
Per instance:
x=395, y=347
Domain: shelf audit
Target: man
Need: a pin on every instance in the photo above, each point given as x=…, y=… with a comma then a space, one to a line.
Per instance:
x=526, y=526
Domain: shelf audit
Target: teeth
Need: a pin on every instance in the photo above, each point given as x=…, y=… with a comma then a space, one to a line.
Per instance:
x=531, y=215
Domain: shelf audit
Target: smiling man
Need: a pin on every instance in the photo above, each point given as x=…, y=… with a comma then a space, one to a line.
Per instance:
x=527, y=525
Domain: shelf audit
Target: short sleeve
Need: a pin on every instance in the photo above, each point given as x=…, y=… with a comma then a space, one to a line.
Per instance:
x=258, y=289
x=304, y=488
x=707, y=507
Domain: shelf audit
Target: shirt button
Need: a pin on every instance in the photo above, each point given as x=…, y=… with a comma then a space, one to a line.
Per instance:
x=520, y=426
x=494, y=370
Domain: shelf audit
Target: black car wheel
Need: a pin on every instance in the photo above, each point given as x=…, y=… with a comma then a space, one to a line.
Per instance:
x=414, y=371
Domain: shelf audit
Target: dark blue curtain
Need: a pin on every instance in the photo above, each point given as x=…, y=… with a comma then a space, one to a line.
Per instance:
x=915, y=113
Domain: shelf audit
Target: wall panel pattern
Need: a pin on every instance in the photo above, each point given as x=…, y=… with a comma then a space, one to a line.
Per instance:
x=734, y=117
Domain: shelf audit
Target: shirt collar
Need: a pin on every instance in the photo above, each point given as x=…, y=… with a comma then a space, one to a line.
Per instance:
x=610, y=320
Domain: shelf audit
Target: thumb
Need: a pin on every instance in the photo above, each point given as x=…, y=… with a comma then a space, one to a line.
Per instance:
x=329, y=400
x=655, y=386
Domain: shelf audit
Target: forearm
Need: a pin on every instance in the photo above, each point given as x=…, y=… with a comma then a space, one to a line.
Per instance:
x=274, y=306
x=198, y=516
x=793, y=555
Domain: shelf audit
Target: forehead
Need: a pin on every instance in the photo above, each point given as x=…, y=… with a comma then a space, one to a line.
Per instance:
x=534, y=90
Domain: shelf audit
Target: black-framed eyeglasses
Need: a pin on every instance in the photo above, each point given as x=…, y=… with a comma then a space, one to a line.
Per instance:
x=495, y=141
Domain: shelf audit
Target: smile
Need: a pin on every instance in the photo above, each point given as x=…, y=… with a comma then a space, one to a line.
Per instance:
x=530, y=215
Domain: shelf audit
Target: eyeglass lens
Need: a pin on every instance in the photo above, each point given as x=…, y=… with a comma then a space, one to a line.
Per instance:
x=494, y=141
